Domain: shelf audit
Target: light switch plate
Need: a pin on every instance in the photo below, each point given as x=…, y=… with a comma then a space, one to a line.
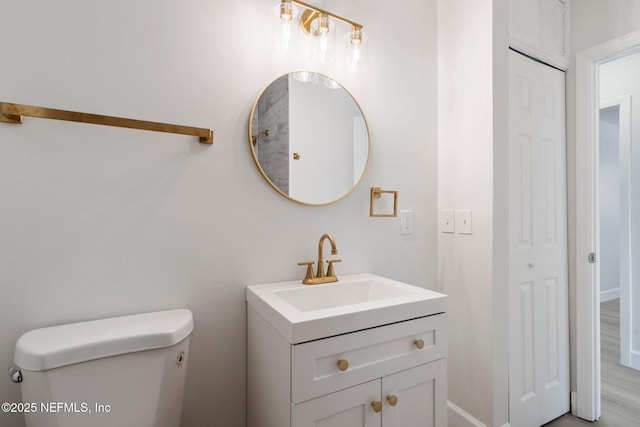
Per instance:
x=463, y=219
x=447, y=223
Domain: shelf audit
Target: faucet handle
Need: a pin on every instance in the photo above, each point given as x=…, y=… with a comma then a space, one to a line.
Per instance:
x=309, y=275
x=330, y=271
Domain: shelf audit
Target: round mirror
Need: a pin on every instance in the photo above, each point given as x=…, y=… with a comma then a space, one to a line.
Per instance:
x=309, y=138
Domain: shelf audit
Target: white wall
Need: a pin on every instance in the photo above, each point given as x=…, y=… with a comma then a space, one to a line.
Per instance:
x=609, y=209
x=592, y=22
x=102, y=221
x=472, y=137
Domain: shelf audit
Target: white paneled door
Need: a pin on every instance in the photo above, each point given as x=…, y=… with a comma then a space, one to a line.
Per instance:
x=538, y=290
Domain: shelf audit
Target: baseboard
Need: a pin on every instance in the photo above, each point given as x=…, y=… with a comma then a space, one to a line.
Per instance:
x=610, y=294
x=459, y=418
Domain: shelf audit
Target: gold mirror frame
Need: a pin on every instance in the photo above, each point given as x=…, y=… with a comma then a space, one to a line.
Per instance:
x=255, y=134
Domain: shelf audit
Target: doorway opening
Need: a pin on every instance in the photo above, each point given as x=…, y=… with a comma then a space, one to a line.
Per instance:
x=620, y=386
x=603, y=197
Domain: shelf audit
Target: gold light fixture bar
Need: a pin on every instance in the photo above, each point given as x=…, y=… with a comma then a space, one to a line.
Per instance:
x=12, y=113
x=325, y=12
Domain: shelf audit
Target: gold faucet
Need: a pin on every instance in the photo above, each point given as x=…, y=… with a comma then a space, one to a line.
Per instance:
x=320, y=276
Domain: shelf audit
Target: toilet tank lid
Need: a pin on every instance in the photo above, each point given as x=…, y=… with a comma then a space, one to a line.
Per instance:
x=56, y=346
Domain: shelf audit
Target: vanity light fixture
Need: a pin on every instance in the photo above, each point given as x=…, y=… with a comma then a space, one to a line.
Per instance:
x=318, y=29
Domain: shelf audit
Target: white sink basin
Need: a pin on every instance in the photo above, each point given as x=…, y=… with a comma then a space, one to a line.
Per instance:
x=337, y=294
x=359, y=301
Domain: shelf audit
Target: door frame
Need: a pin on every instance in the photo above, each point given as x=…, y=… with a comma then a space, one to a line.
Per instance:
x=586, y=402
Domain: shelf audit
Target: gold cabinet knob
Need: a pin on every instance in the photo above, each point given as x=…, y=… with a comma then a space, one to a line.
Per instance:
x=377, y=405
x=392, y=399
x=419, y=344
x=343, y=364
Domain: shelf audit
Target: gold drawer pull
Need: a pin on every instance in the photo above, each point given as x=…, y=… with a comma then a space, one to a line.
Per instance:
x=343, y=364
x=419, y=344
x=392, y=399
x=377, y=405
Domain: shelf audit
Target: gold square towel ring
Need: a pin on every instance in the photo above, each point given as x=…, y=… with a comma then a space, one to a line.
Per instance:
x=12, y=113
x=376, y=193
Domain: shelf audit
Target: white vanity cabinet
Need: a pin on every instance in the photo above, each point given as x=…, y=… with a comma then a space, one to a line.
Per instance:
x=392, y=375
x=540, y=29
x=418, y=396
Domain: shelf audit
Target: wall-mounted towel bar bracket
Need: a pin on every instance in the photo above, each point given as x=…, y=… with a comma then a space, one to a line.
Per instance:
x=376, y=193
x=12, y=113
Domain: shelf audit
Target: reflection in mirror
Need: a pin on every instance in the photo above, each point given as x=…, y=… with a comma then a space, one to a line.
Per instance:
x=309, y=138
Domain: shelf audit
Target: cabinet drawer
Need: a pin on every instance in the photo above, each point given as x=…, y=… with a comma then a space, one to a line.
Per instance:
x=370, y=354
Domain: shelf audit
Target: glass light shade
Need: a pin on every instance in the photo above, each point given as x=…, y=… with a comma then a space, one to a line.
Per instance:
x=323, y=40
x=285, y=27
x=356, y=41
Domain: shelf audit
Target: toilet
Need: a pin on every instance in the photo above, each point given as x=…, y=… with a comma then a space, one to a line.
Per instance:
x=127, y=371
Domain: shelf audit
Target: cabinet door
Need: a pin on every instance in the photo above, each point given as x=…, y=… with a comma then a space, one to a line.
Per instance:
x=539, y=28
x=524, y=21
x=351, y=407
x=416, y=397
x=552, y=27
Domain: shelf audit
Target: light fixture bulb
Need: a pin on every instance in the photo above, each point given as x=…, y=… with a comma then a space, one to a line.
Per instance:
x=286, y=11
x=356, y=35
x=323, y=25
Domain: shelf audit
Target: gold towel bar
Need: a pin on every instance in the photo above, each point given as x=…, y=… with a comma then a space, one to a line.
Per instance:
x=12, y=113
x=376, y=193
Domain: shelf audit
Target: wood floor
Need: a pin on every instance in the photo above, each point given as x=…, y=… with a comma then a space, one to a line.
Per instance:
x=620, y=385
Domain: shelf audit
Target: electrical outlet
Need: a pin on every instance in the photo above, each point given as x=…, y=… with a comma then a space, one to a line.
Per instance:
x=406, y=222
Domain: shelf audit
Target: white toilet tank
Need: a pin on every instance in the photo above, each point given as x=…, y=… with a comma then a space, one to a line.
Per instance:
x=125, y=371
